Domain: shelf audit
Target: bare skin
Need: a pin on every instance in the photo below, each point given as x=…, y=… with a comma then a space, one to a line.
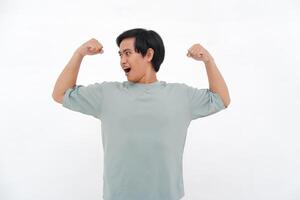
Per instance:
x=141, y=67
x=68, y=77
x=216, y=81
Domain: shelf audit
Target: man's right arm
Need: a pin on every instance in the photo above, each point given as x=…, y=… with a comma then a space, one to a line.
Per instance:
x=68, y=77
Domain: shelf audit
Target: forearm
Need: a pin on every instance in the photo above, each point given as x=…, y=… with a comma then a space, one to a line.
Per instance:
x=68, y=77
x=216, y=81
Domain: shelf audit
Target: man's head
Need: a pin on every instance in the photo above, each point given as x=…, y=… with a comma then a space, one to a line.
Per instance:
x=142, y=51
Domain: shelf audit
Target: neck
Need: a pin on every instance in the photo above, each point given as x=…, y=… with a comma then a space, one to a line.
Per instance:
x=150, y=76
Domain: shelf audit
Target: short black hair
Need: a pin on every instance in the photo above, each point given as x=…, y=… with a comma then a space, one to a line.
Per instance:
x=145, y=39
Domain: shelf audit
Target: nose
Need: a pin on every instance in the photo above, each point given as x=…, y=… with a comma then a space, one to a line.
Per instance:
x=123, y=60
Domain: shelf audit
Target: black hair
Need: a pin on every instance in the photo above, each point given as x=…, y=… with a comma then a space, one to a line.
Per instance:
x=145, y=39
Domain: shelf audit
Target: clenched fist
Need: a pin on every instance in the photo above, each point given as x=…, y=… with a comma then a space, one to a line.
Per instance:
x=198, y=52
x=91, y=47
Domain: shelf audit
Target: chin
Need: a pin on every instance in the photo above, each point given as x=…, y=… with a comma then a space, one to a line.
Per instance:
x=131, y=79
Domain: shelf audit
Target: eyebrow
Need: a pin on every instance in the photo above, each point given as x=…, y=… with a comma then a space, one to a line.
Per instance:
x=124, y=50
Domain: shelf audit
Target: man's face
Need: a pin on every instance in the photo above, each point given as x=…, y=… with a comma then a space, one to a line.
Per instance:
x=131, y=60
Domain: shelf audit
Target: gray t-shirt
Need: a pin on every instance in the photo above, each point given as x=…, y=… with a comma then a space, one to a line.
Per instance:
x=144, y=128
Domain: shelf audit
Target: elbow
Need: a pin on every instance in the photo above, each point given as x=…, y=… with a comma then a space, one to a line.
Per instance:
x=226, y=100
x=226, y=103
x=57, y=98
x=224, y=97
x=54, y=96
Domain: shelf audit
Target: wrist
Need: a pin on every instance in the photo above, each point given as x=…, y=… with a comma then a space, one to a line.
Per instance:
x=209, y=61
x=77, y=53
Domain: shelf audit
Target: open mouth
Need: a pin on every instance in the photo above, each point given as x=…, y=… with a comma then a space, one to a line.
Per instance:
x=127, y=70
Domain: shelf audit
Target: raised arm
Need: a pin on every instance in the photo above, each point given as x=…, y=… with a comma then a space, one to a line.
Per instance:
x=216, y=82
x=68, y=77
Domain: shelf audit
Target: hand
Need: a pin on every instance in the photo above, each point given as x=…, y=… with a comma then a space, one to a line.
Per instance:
x=91, y=47
x=199, y=53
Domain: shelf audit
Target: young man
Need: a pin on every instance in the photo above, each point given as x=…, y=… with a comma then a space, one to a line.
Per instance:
x=144, y=121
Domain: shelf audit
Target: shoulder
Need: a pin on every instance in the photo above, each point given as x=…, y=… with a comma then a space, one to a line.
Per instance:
x=106, y=84
x=177, y=86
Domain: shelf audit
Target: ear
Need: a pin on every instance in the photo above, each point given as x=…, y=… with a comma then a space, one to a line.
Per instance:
x=150, y=53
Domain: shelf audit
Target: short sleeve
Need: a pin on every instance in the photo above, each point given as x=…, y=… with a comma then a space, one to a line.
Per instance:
x=203, y=102
x=85, y=99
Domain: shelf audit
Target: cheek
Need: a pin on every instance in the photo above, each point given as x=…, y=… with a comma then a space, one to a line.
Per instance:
x=134, y=63
x=137, y=65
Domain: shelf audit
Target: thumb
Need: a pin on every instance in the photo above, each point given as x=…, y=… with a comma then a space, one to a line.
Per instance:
x=90, y=48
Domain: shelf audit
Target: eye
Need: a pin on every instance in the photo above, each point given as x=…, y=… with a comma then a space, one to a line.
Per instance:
x=127, y=53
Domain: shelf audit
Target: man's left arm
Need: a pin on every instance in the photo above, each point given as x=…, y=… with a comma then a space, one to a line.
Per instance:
x=216, y=81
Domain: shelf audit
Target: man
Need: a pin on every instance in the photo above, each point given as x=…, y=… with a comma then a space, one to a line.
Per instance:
x=144, y=121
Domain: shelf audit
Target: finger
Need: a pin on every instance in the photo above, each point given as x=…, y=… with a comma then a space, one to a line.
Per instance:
x=92, y=49
x=197, y=53
x=95, y=47
x=202, y=53
x=190, y=51
x=98, y=45
x=97, y=50
x=193, y=52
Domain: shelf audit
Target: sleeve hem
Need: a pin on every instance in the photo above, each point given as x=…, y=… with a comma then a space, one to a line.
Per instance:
x=219, y=101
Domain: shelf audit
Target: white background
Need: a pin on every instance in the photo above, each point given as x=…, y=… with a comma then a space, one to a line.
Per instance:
x=248, y=151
